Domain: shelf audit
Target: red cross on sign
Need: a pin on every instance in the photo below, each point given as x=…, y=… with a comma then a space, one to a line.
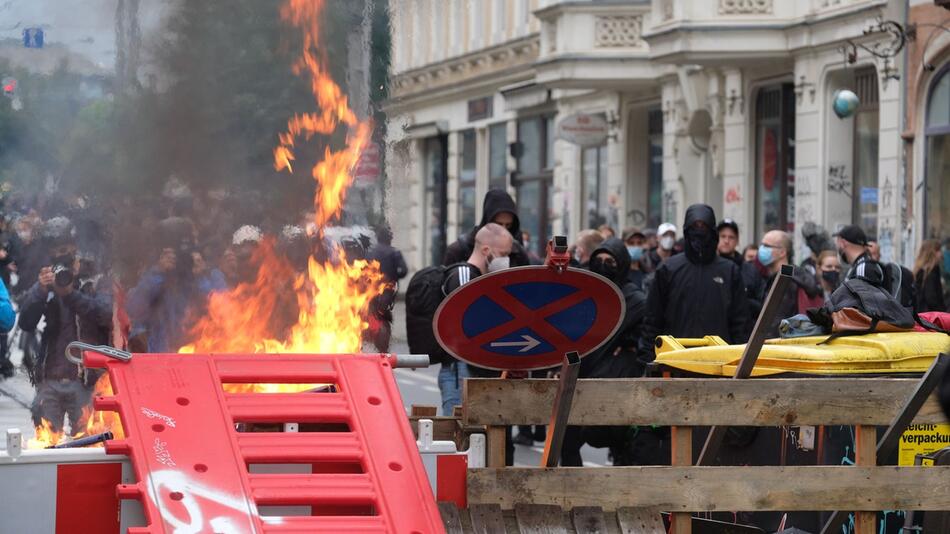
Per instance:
x=528, y=317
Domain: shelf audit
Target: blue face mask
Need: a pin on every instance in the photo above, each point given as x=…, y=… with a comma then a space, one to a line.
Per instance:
x=765, y=255
x=636, y=253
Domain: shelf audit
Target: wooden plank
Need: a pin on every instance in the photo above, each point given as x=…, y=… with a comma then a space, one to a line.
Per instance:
x=865, y=455
x=681, y=454
x=417, y=410
x=451, y=518
x=486, y=518
x=495, y=436
x=443, y=428
x=696, y=489
x=589, y=520
x=699, y=402
x=640, y=521
x=540, y=519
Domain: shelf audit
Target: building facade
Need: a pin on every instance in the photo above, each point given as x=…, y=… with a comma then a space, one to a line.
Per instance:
x=726, y=102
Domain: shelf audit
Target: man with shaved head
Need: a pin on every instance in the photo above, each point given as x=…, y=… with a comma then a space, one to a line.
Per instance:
x=775, y=251
x=492, y=247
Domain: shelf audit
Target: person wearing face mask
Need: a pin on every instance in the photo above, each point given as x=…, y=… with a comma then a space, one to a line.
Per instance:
x=635, y=242
x=775, y=251
x=697, y=293
x=666, y=243
x=76, y=307
x=490, y=253
x=615, y=359
x=753, y=281
x=829, y=272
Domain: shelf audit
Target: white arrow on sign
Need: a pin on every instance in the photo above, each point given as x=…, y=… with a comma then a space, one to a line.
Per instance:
x=528, y=343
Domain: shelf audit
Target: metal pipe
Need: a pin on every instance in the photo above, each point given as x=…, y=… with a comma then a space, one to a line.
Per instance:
x=409, y=361
x=83, y=442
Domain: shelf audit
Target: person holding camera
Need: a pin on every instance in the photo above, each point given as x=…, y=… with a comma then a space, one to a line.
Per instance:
x=167, y=294
x=77, y=306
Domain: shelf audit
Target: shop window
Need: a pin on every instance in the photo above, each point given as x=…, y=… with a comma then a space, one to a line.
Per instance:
x=498, y=156
x=865, y=194
x=654, y=168
x=467, y=173
x=533, y=179
x=594, y=172
x=937, y=197
x=435, y=197
x=775, y=158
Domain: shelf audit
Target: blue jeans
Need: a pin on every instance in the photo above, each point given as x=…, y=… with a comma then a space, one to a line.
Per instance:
x=451, y=376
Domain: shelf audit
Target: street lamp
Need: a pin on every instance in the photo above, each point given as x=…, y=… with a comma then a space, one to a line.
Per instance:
x=844, y=103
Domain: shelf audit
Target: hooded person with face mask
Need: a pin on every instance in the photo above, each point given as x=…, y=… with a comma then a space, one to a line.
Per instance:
x=697, y=293
x=618, y=357
x=498, y=208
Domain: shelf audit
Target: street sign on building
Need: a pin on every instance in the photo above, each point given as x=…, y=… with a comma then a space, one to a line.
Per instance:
x=528, y=317
x=583, y=130
x=33, y=37
x=368, y=167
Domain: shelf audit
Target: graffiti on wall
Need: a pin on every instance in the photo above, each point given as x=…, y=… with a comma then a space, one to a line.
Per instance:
x=838, y=179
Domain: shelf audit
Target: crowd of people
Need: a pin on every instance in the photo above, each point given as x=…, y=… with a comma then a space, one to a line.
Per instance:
x=686, y=282
x=138, y=274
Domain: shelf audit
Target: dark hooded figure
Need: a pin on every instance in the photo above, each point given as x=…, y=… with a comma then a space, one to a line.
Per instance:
x=498, y=208
x=697, y=293
x=615, y=359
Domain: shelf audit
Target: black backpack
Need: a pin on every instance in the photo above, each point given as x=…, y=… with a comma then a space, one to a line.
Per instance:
x=423, y=295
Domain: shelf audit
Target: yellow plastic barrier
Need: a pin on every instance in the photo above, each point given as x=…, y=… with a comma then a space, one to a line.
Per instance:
x=870, y=354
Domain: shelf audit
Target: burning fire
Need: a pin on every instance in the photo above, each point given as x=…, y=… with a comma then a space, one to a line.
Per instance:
x=95, y=423
x=332, y=298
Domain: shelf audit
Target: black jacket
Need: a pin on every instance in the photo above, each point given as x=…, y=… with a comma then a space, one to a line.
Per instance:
x=929, y=291
x=496, y=201
x=695, y=299
x=391, y=263
x=617, y=357
x=83, y=315
x=755, y=289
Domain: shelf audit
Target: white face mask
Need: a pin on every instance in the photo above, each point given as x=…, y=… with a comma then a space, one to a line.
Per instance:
x=666, y=243
x=499, y=264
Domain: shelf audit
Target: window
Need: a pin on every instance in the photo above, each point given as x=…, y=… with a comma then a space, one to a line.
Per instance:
x=498, y=156
x=435, y=197
x=533, y=182
x=594, y=173
x=654, y=168
x=467, y=141
x=775, y=159
x=937, y=131
x=865, y=194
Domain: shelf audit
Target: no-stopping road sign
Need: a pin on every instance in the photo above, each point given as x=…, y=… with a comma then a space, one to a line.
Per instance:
x=528, y=317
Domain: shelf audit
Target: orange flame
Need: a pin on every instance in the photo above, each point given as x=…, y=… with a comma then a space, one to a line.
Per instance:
x=95, y=423
x=332, y=299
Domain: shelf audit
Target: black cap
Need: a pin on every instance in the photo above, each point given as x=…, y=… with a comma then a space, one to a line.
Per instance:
x=853, y=234
x=728, y=223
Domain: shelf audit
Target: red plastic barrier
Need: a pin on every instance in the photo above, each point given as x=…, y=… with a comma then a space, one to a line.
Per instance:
x=192, y=465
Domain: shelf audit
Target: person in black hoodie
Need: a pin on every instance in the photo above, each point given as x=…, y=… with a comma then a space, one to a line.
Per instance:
x=616, y=358
x=498, y=208
x=697, y=293
x=754, y=282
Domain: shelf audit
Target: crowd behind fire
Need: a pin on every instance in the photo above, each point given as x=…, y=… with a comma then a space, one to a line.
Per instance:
x=136, y=274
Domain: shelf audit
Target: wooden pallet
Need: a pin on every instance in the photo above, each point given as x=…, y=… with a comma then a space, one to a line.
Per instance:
x=545, y=519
